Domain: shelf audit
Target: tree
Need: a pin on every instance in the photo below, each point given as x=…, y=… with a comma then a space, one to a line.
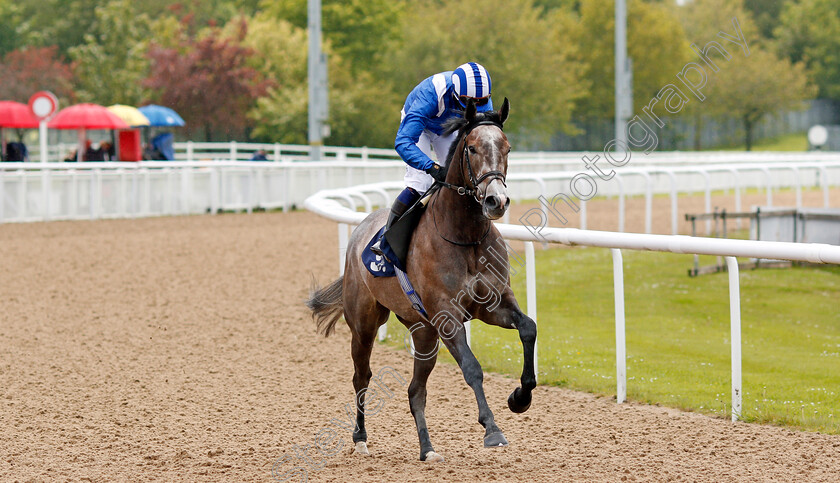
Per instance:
x=549, y=5
x=280, y=52
x=198, y=14
x=810, y=32
x=756, y=86
x=208, y=81
x=28, y=71
x=112, y=62
x=362, y=112
x=655, y=44
x=541, y=78
x=357, y=29
x=702, y=20
x=54, y=22
x=766, y=14
x=10, y=12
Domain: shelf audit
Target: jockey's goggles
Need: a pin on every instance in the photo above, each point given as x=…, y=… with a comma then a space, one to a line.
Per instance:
x=479, y=101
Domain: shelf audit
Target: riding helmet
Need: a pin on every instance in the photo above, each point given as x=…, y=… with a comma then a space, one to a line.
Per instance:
x=471, y=80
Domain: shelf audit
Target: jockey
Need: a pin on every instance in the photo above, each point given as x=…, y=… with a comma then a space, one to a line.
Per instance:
x=430, y=104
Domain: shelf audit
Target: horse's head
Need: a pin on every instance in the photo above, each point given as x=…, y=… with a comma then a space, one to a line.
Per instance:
x=485, y=159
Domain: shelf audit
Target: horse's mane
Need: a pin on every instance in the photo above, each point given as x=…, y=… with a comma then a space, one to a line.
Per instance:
x=462, y=126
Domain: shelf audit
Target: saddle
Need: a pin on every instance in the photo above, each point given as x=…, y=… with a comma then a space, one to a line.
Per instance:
x=396, y=241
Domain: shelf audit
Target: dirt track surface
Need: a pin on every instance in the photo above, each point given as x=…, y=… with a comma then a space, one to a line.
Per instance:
x=178, y=349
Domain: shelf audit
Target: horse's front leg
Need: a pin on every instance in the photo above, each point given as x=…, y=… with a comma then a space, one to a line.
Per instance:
x=509, y=316
x=457, y=345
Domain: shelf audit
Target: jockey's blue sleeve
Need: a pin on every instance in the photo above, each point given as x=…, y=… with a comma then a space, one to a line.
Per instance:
x=421, y=110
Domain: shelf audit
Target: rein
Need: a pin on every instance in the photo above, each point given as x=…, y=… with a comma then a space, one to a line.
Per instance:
x=460, y=244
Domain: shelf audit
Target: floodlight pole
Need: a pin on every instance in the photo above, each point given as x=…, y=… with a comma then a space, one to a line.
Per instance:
x=623, y=74
x=317, y=82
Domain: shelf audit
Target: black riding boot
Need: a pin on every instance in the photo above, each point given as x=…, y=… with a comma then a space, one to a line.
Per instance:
x=403, y=202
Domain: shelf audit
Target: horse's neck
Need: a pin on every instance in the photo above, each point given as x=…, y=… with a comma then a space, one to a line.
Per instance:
x=458, y=217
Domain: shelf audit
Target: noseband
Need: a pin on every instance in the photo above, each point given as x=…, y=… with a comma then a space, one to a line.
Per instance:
x=475, y=182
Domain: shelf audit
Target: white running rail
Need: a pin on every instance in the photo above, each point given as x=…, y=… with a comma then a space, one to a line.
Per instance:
x=329, y=205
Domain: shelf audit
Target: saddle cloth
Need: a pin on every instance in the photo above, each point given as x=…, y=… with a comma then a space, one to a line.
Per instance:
x=377, y=265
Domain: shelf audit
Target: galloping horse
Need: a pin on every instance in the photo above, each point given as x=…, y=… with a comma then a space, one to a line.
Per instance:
x=454, y=250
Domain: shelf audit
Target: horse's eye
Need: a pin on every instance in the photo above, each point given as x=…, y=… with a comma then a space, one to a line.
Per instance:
x=472, y=149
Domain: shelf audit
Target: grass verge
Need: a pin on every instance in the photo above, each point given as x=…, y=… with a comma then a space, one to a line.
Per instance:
x=678, y=335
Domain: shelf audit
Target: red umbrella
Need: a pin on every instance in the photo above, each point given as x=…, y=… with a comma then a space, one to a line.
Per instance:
x=86, y=116
x=16, y=114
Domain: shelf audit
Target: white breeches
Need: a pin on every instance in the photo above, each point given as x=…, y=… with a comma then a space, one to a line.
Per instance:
x=419, y=180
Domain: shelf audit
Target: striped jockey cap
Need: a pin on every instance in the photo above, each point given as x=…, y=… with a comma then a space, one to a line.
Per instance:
x=471, y=80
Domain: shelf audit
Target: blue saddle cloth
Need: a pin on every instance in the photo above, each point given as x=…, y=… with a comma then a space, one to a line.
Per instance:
x=377, y=265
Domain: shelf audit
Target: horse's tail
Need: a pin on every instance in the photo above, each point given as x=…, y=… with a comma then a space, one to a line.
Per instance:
x=327, y=305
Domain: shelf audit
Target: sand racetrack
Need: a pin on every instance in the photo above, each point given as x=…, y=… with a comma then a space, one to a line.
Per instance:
x=178, y=349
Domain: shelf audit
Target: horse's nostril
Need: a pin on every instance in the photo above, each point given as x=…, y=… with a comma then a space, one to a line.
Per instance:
x=492, y=202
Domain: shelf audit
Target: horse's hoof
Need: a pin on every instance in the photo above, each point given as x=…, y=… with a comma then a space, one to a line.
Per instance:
x=361, y=448
x=517, y=402
x=432, y=457
x=495, y=440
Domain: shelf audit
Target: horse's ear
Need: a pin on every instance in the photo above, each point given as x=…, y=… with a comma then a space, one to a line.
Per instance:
x=469, y=115
x=504, y=111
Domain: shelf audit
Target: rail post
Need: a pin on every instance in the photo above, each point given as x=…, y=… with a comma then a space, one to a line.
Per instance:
x=620, y=339
x=342, y=246
x=735, y=334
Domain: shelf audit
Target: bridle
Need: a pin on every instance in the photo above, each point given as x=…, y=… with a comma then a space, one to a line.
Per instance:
x=475, y=182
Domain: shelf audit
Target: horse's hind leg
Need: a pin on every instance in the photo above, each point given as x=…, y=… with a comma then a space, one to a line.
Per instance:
x=363, y=325
x=425, y=355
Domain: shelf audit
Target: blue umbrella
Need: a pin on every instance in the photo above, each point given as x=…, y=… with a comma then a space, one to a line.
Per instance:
x=161, y=116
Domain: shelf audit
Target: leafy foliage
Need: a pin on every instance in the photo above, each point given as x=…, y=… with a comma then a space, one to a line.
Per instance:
x=361, y=112
x=357, y=29
x=10, y=12
x=112, y=62
x=214, y=87
x=761, y=84
x=27, y=71
x=542, y=80
x=703, y=19
x=552, y=58
x=655, y=43
x=766, y=14
x=810, y=32
x=61, y=23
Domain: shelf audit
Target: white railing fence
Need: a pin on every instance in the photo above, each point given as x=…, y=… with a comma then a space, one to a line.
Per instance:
x=46, y=191
x=329, y=204
x=192, y=151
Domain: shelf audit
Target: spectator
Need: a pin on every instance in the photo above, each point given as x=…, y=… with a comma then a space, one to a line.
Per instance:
x=71, y=156
x=162, y=147
x=94, y=152
x=108, y=151
x=260, y=155
x=16, y=152
x=151, y=154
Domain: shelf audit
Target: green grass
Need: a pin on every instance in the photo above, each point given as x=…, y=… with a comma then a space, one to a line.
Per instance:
x=678, y=335
x=788, y=142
